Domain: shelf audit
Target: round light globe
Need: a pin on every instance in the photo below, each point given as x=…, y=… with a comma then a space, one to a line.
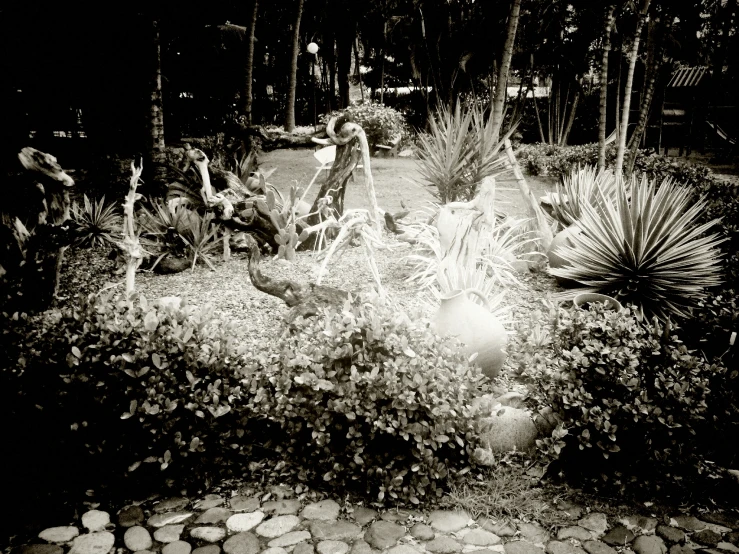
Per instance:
x=312, y=48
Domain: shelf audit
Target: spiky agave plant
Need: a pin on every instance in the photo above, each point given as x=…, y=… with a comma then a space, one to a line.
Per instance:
x=645, y=247
x=584, y=185
x=99, y=223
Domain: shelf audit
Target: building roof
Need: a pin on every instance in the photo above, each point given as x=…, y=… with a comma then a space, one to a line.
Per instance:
x=687, y=76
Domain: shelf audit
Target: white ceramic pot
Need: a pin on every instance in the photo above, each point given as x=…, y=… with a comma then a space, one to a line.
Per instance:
x=478, y=329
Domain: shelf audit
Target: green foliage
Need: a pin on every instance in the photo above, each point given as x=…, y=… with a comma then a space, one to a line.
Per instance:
x=646, y=248
x=169, y=229
x=381, y=124
x=283, y=216
x=631, y=399
x=583, y=185
x=370, y=401
x=99, y=224
x=110, y=386
x=560, y=161
x=459, y=152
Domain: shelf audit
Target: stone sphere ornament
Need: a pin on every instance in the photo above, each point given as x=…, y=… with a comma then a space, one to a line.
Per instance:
x=312, y=48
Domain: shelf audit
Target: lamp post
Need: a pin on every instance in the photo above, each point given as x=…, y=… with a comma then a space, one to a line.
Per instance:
x=313, y=49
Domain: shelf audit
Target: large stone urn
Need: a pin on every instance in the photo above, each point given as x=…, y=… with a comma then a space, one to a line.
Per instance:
x=555, y=260
x=475, y=326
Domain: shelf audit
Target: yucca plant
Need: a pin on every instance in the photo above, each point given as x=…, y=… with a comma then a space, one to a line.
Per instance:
x=583, y=185
x=200, y=235
x=99, y=223
x=645, y=247
x=459, y=152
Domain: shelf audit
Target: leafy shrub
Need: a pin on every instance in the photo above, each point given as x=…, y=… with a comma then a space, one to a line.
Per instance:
x=370, y=401
x=560, y=161
x=631, y=398
x=381, y=124
x=109, y=385
x=99, y=224
x=645, y=247
x=459, y=152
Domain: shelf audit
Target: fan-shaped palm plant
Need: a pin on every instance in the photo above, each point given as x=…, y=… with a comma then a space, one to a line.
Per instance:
x=645, y=247
x=99, y=223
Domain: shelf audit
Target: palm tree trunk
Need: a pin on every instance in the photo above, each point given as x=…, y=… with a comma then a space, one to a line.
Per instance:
x=293, y=77
x=571, y=119
x=250, y=64
x=627, y=91
x=157, y=155
x=610, y=18
x=505, y=64
x=654, y=63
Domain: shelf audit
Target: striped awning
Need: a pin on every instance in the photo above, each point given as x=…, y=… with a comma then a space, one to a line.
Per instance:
x=686, y=76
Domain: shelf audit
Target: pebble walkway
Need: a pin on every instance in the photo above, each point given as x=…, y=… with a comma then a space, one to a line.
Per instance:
x=246, y=525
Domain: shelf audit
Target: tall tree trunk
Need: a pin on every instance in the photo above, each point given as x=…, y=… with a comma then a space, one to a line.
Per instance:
x=505, y=64
x=250, y=64
x=536, y=106
x=619, y=92
x=357, y=72
x=332, y=74
x=571, y=119
x=655, y=58
x=156, y=154
x=603, y=118
x=382, y=63
x=293, y=77
x=344, y=41
x=629, y=83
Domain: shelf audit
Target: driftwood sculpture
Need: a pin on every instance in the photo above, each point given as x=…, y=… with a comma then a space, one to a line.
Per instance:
x=36, y=232
x=305, y=299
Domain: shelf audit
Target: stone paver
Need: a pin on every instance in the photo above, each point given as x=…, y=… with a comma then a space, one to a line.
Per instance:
x=244, y=504
x=522, y=547
x=276, y=526
x=239, y=523
x=706, y=537
x=559, y=547
x=332, y=547
x=649, y=544
x=363, y=515
x=671, y=534
x=282, y=507
x=290, y=539
x=383, y=534
x=534, y=533
x=208, y=534
x=360, y=547
x=422, y=532
x=177, y=547
x=213, y=515
x=95, y=520
x=618, y=536
x=597, y=547
x=210, y=501
x=681, y=549
x=99, y=542
x=443, y=545
x=242, y=543
x=207, y=549
x=688, y=523
x=59, y=534
x=171, y=505
x=481, y=537
x=169, y=533
x=326, y=510
x=303, y=548
x=403, y=549
x=639, y=524
x=595, y=522
x=137, y=538
x=574, y=532
x=130, y=516
x=448, y=521
x=169, y=518
x=335, y=531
